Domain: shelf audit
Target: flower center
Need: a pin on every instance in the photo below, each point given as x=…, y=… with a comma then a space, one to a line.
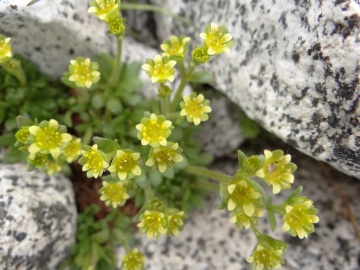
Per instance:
x=125, y=163
x=154, y=131
x=48, y=138
x=153, y=222
x=194, y=108
x=94, y=160
x=161, y=71
x=114, y=192
x=164, y=155
x=83, y=72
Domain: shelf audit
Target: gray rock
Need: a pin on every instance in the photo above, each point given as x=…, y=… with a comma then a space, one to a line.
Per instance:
x=37, y=218
x=294, y=68
x=51, y=33
x=210, y=242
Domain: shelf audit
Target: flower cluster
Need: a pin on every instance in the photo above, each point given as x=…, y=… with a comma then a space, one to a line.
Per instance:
x=83, y=72
x=93, y=161
x=153, y=223
x=47, y=145
x=154, y=130
x=175, y=46
x=216, y=39
x=299, y=217
x=48, y=137
x=5, y=49
x=125, y=164
x=160, y=220
x=113, y=193
x=102, y=8
x=164, y=157
x=195, y=108
x=133, y=260
x=243, y=201
x=160, y=70
x=277, y=170
x=266, y=257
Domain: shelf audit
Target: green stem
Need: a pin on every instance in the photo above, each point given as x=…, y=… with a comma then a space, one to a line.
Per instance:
x=180, y=89
x=149, y=194
x=114, y=79
x=121, y=237
x=88, y=135
x=200, y=183
x=204, y=172
x=278, y=209
x=135, y=6
x=255, y=230
x=172, y=116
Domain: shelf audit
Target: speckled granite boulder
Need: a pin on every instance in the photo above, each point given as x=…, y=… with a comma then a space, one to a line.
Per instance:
x=37, y=218
x=294, y=68
x=50, y=33
x=210, y=242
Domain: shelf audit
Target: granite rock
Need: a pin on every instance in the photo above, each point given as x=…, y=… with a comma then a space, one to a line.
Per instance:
x=37, y=218
x=294, y=68
x=51, y=33
x=210, y=241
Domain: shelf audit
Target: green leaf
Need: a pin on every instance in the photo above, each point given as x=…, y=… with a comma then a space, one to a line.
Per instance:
x=293, y=195
x=7, y=139
x=114, y=105
x=241, y=158
x=272, y=220
x=201, y=77
x=155, y=177
x=97, y=101
x=65, y=80
x=267, y=202
x=101, y=237
x=106, y=145
x=32, y=2
x=105, y=62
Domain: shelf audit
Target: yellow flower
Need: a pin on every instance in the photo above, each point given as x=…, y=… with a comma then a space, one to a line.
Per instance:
x=133, y=260
x=175, y=221
x=199, y=55
x=152, y=223
x=37, y=159
x=195, y=108
x=83, y=72
x=175, y=46
x=5, y=49
x=48, y=137
x=266, y=257
x=102, y=8
x=93, y=161
x=243, y=197
x=114, y=193
x=160, y=70
x=241, y=219
x=299, y=217
x=125, y=164
x=165, y=156
x=116, y=24
x=216, y=39
x=277, y=170
x=51, y=167
x=154, y=130
x=23, y=135
x=72, y=150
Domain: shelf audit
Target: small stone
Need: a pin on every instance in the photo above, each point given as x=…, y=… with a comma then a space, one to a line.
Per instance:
x=37, y=218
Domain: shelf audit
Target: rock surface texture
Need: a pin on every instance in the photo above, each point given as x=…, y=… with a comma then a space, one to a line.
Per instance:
x=37, y=219
x=294, y=68
x=50, y=33
x=210, y=242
